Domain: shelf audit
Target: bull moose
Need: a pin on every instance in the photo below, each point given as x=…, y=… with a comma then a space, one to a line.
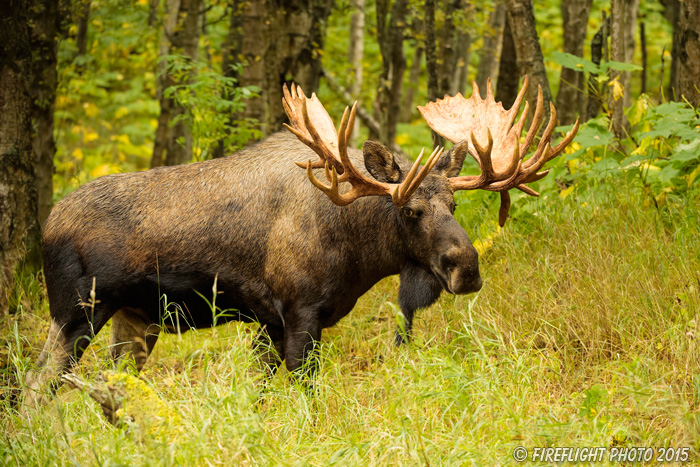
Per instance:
x=284, y=248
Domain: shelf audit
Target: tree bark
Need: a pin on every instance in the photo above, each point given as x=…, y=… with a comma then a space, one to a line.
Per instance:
x=282, y=42
x=597, y=46
x=230, y=56
x=689, y=52
x=20, y=235
x=391, y=38
x=355, y=55
x=464, y=41
x=447, y=56
x=673, y=15
x=528, y=52
x=617, y=54
x=413, y=81
x=180, y=37
x=631, y=11
x=571, y=98
x=47, y=22
x=83, y=22
x=490, y=52
x=431, y=60
x=507, y=84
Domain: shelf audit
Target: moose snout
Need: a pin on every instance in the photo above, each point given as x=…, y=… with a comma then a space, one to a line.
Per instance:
x=460, y=268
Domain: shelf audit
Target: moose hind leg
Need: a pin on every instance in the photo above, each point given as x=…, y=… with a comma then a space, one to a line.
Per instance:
x=133, y=337
x=64, y=346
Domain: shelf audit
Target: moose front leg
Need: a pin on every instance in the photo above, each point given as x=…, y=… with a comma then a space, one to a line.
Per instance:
x=301, y=335
x=269, y=349
x=418, y=289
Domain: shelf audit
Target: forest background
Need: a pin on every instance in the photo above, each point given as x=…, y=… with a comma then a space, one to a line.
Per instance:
x=594, y=285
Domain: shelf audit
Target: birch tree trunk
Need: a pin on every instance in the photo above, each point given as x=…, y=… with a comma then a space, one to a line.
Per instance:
x=528, y=51
x=689, y=52
x=571, y=98
x=20, y=235
x=491, y=51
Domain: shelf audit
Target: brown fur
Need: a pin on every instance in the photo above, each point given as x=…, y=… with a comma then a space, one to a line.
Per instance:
x=281, y=253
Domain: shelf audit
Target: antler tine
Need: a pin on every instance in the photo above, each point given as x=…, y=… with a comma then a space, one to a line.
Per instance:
x=475, y=90
x=489, y=89
x=413, y=181
x=521, y=95
x=485, y=156
x=342, y=144
x=535, y=125
x=318, y=144
x=541, y=153
x=559, y=148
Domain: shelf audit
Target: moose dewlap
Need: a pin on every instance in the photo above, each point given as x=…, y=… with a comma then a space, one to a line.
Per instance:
x=285, y=248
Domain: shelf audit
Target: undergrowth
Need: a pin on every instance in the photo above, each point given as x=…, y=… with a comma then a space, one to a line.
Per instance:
x=583, y=335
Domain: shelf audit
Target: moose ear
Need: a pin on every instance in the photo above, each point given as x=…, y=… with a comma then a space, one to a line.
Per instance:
x=380, y=162
x=450, y=163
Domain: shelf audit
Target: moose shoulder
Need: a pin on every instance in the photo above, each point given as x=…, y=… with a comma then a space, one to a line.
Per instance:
x=147, y=249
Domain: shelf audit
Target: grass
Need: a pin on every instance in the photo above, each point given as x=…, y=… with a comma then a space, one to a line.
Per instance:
x=584, y=335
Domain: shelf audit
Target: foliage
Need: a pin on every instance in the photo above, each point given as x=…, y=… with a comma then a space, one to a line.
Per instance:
x=210, y=100
x=585, y=335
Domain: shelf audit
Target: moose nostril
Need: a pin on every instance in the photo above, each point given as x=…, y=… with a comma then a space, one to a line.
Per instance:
x=447, y=263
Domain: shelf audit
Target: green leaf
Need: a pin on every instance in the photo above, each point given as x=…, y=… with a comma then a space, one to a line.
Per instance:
x=573, y=62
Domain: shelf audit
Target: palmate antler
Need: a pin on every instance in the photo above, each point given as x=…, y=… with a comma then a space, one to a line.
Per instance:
x=313, y=126
x=502, y=159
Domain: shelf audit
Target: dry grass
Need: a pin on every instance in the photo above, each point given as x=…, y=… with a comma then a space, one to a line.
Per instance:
x=584, y=335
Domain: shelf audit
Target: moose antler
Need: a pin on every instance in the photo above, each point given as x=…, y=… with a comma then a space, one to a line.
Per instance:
x=313, y=126
x=502, y=159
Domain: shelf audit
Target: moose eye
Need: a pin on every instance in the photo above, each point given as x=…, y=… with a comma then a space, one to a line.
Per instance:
x=411, y=213
x=454, y=208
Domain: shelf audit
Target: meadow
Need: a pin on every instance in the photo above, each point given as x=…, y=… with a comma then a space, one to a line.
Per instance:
x=583, y=335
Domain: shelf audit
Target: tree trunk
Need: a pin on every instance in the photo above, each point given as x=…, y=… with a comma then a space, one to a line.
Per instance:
x=507, y=88
x=631, y=11
x=180, y=37
x=689, y=52
x=282, y=42
x=394, y=64
x=431, y=60
x=571, y=98
x=413, y=82
x=355, y=55
x=152, y=11
x=83, y=22
x=230, y=53
x=673, y=15
x=459, y=83
x=20, y=235
x=597, y=46
x=447, y=57
x=617, y=54
x=528, y=51
x=490, y=52
x=46, y=24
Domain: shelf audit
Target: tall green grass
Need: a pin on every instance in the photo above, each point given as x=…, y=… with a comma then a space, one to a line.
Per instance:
x=583, y=335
